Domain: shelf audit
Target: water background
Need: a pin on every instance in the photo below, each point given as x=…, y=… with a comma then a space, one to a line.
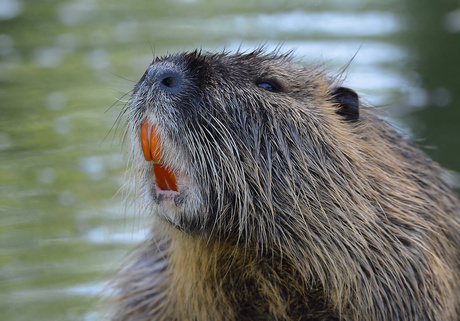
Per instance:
x=63, y=64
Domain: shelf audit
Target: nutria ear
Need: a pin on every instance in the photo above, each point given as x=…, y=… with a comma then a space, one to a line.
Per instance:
x=348, y=103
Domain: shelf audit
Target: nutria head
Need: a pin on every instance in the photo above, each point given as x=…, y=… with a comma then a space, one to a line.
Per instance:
x=240, y=134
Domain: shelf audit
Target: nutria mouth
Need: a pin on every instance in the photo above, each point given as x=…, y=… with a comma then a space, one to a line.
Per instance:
x=151, y=148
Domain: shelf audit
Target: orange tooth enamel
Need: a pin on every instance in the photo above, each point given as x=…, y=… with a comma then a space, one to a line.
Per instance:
x=145, y=141
x=165, y=178
x=170, y=179
x=155, y=150
x=160, y=177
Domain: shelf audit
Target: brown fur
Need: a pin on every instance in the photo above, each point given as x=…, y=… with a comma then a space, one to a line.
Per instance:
x=287, y=211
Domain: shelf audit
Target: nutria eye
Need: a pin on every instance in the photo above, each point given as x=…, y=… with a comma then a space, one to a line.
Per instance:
x=269, y=85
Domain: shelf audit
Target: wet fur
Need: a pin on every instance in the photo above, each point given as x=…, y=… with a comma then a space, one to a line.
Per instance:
x=297, y=213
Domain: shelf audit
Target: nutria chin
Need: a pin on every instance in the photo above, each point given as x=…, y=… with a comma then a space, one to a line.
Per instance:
x=278, y=195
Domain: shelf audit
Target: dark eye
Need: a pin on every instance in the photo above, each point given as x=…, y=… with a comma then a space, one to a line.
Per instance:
x=269, y=85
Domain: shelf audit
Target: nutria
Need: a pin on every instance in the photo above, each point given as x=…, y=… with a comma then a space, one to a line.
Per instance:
x=278, y=195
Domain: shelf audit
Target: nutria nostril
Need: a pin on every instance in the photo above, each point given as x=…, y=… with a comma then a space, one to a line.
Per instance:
x=170, y=81
x=167, y=79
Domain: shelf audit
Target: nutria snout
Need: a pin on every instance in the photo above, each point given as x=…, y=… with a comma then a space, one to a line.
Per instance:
x=278, y=195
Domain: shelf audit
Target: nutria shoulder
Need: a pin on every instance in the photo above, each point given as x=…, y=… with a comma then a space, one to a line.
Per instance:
x=278, y=195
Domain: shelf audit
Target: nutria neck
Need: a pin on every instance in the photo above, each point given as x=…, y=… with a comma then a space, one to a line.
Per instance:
x=195, y=287
x=216, y=280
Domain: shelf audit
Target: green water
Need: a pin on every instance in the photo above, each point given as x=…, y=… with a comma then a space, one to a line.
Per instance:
x=64, y=224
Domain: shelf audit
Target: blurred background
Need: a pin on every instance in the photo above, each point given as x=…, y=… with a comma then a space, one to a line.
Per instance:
x=64, y=224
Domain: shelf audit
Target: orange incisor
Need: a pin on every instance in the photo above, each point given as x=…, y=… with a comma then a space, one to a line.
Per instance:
x=151, y=147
